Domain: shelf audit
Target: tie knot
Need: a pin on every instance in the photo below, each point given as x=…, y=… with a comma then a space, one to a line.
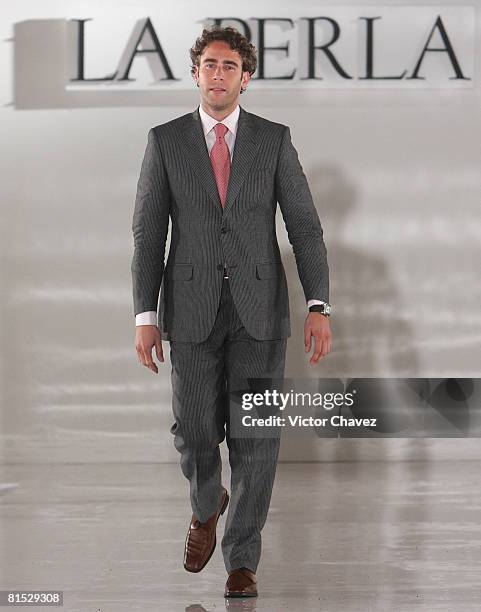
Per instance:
x=220, y=130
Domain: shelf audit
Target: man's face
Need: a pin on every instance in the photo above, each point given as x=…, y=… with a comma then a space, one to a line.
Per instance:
x=220, y=76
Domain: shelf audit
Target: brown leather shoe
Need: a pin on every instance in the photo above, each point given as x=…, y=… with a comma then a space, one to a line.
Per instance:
x=241, y=583
x=201, y=538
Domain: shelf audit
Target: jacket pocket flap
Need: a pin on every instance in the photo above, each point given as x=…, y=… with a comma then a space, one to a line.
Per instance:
x=268, y=270
x=182, y=271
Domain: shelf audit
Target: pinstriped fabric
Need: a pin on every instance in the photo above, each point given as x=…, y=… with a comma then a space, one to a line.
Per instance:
x=149, y=225
x=223, y=332
x=177, y=182
x=202, y=376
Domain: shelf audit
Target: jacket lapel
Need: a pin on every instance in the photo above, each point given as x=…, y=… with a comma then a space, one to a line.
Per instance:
x=245, y=148
x=197, y=154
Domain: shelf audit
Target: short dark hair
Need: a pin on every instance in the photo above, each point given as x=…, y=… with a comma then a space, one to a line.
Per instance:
x=231, y=36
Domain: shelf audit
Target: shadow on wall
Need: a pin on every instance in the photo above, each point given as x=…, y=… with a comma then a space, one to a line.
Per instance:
x=370, y=335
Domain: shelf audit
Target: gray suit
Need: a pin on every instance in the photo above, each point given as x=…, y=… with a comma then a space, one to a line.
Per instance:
x=223, y=332
x=177, y=180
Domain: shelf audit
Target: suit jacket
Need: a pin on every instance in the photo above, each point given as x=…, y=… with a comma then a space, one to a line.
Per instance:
x=177, y=182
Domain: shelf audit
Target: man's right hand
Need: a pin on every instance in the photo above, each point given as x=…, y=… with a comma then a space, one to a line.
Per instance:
x=146, y=337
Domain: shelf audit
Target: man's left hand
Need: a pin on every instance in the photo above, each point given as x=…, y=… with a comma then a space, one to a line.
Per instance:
x=317, y=326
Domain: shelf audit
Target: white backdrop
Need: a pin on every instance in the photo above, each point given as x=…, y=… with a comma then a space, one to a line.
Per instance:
x=394, y=171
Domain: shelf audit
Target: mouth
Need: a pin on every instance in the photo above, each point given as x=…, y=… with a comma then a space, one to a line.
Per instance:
x=217, y=89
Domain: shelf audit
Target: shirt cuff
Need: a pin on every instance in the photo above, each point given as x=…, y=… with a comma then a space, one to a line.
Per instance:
x=146, y=318
x=312, y=302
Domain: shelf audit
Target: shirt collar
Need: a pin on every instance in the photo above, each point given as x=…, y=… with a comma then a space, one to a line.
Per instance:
x=209, y=122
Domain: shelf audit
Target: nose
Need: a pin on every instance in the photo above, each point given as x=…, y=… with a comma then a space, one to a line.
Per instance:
x=218, y=72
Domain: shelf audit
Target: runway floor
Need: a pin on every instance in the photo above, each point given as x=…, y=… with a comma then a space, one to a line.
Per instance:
x=341, y=536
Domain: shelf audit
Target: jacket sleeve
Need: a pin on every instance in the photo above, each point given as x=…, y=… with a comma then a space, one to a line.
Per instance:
x=302, y=222
x=149, y=226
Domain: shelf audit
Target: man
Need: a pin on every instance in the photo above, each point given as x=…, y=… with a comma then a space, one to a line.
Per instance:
x=218, y=173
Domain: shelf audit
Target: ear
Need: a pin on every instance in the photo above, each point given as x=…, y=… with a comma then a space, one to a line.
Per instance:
x=195, y=76
x=246, y=77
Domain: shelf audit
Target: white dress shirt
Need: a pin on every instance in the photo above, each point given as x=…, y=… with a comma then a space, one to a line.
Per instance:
x=208, y=123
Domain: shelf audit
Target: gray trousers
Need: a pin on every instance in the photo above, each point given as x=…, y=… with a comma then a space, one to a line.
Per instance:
x=203, y=376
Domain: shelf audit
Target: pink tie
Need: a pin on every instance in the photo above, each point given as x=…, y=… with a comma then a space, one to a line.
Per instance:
x=220, y=160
